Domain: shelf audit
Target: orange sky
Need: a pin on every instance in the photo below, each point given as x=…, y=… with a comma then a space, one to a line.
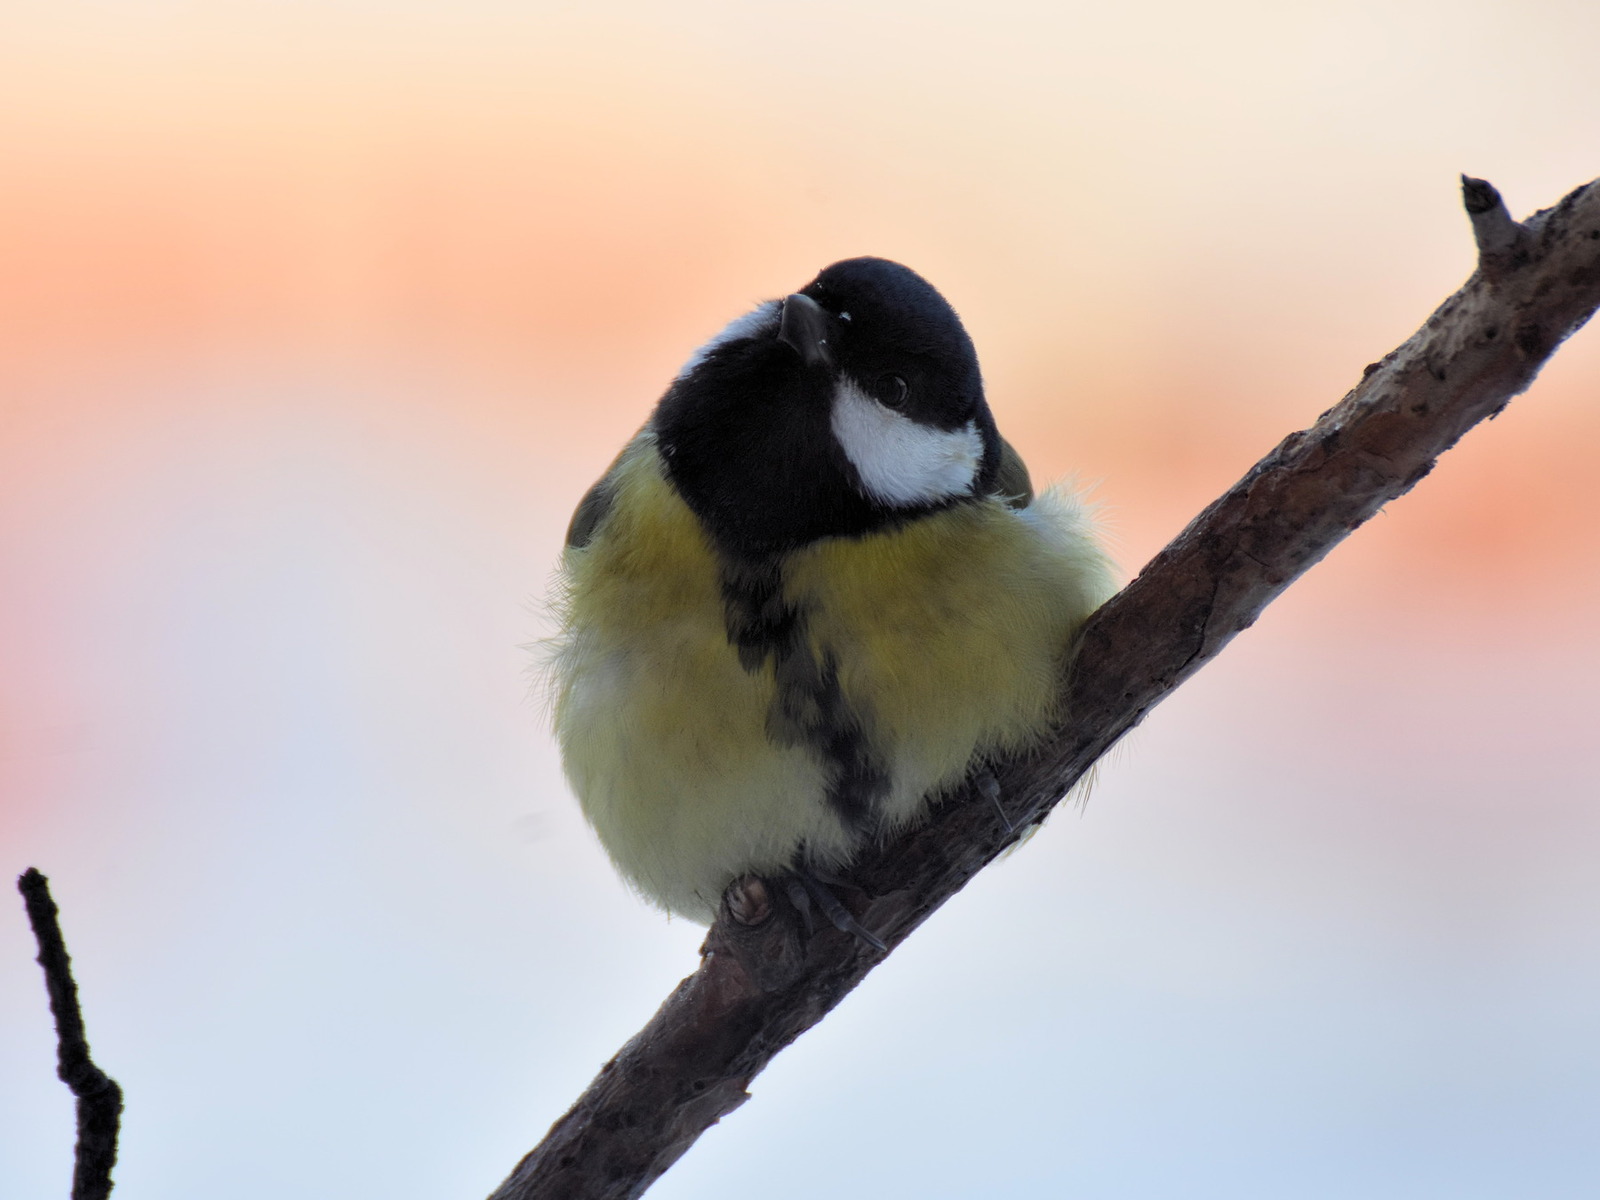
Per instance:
x=1166, y=266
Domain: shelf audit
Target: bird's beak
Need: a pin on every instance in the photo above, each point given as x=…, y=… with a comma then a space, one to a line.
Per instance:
x=805, y=326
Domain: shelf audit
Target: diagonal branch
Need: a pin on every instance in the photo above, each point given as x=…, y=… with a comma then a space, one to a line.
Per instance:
x=758, y=988
x=99, y=1097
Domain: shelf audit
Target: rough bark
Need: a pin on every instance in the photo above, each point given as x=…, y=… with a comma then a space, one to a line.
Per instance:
x=758, y=988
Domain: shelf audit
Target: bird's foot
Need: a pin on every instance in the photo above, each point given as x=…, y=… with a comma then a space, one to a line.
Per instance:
x=805, y=887
x=749, y=900
x=989, y=787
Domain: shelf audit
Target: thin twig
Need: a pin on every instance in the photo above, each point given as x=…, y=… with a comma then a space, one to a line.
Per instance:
x=99, y=1097
x=757, y=989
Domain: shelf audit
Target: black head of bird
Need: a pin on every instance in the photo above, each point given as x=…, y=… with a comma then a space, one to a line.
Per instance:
x=847, y=406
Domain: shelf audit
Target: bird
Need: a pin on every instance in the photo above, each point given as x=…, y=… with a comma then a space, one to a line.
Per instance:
x=813, y=594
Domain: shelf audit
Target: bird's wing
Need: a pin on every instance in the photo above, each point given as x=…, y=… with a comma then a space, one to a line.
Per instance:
x=1011, y=482
x=597, y=501
x=592, y=510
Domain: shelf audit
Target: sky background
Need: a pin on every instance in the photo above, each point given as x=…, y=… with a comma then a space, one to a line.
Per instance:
x=317, y=319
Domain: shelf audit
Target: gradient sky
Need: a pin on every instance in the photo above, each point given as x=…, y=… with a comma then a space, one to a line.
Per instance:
x=317, y=319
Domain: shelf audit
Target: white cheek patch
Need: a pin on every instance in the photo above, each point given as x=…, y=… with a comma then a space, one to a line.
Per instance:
x=903, y=462
x=758, y=320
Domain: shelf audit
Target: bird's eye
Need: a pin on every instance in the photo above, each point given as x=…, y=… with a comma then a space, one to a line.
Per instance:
x=891, y=391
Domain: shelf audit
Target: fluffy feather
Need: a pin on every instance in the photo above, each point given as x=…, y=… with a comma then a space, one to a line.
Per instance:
x=948, y=632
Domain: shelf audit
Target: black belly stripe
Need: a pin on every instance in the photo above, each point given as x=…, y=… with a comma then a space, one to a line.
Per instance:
x=809, y=708
x=760, y=622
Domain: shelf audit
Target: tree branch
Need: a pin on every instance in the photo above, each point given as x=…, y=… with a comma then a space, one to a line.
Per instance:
x=758, y=988
x=99, y=1097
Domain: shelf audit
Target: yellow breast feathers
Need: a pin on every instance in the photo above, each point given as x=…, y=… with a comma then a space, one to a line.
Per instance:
x=885, y=665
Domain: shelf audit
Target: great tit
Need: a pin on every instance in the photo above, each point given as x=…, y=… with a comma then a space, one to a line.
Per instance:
x=815, y=591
